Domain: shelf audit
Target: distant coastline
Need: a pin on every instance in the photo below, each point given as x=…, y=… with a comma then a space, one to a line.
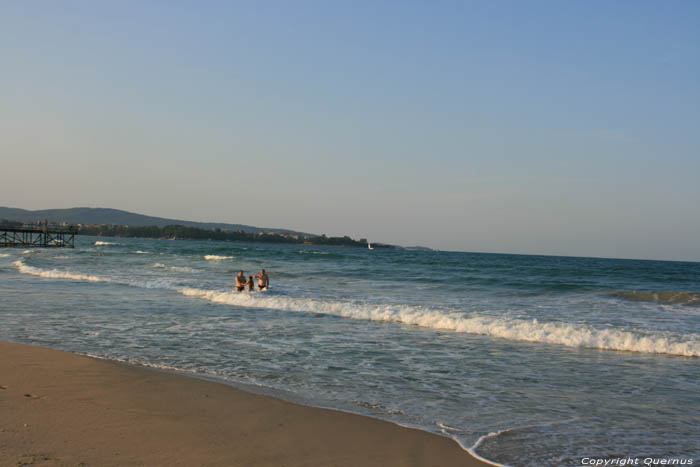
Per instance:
x=181, y=232
x=105, y=222
x=109, y=216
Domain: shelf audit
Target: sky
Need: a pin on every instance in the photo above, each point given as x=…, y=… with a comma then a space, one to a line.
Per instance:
x=536, y=127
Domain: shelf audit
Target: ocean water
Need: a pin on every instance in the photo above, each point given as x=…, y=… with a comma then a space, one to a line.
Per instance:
x=524, y=360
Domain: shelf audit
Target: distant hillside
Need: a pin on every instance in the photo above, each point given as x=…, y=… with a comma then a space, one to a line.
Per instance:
x=118, y=217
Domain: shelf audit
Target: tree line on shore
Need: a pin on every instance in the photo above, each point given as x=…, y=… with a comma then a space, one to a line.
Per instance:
x=182, y=232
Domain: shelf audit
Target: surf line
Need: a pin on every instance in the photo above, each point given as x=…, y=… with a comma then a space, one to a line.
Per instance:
x=569, y=335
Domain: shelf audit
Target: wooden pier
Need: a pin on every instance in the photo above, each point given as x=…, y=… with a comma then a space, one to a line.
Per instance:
x=38, y=236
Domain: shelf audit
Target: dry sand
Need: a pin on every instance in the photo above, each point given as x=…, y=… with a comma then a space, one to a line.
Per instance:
x=58, y=408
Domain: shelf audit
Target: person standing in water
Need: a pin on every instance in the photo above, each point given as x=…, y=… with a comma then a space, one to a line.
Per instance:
x=250, y=284
x=263, y=280
x=240, y=282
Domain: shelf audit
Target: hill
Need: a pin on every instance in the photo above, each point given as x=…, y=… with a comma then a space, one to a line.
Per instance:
x=118, y=217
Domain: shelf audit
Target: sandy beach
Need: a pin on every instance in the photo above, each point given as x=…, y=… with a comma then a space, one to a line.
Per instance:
x=63, y=409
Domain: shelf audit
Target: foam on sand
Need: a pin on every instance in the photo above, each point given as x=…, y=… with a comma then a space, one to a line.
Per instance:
x=74, y=379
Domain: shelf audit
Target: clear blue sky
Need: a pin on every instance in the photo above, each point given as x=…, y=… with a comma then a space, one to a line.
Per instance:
x=552, y=127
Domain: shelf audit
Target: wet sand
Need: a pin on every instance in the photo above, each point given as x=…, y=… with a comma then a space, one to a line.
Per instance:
x=58, y=408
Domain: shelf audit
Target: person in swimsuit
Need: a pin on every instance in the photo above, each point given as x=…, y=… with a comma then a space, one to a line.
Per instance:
x=264, y=280
x=250, y=284
x=240, y=282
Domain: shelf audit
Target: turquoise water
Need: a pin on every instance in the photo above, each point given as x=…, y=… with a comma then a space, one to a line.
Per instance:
x=526, y=360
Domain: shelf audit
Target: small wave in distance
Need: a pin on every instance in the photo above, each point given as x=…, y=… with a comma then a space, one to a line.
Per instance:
x=661, y=297
x=217, y=257
x=56, y=274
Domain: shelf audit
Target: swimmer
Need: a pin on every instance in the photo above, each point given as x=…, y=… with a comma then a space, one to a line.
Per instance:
x=240, y=282
x=264, y=280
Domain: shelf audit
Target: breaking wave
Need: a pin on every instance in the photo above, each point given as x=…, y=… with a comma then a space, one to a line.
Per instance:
x=105, y=244
x=217, y=257
x=56, y=274
x=570, y=335
x=665, y=297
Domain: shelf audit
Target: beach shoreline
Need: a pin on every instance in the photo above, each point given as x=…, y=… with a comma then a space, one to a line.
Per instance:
x=61, y=408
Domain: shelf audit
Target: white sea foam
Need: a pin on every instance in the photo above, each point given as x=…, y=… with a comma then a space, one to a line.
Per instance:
x=472, y=450
x=131, y=361
x=4, y=255
x=570, y=335
x=105, y=243
x=139, y=252
x=217, y=257
x=174, y=268
x=56, y=274
x=162, y=283
x=506, y=431
x=183, y=269
x=136, y=362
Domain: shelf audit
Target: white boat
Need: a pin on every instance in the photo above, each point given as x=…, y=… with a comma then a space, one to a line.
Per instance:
x=369, y=246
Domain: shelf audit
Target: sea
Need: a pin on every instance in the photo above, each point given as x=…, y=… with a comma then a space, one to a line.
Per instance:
x=523, y=360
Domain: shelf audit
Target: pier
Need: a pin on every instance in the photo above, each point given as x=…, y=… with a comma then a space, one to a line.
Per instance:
x=42, y=235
